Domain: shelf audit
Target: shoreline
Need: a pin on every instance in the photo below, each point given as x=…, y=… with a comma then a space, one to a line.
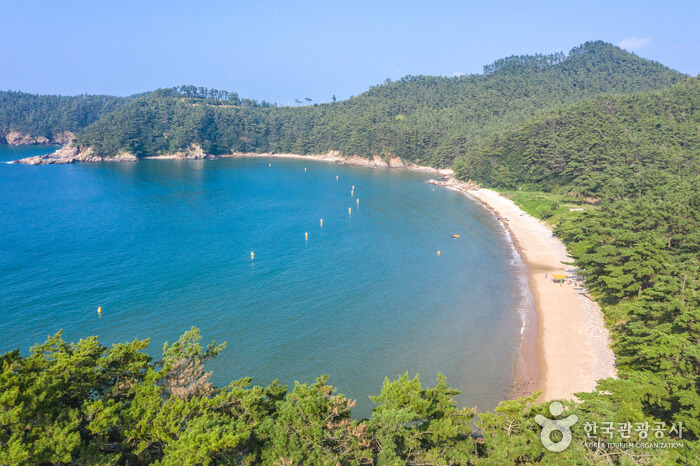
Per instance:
x=571, y=343
x=71, y=154
x=528, y=366
x=569, y=348
x=331, y=157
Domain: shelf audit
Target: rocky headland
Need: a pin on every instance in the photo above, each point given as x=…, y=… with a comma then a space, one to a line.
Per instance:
x=75, y=154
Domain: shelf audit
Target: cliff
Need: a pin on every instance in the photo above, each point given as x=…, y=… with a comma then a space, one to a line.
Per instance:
x=17, y=138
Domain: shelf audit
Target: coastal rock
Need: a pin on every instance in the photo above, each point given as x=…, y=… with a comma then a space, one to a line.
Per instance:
x=449, y=181
x=375, y=162
x=193, y=152
x=63, y=138
x=75, y=154
x=396, y=162
x=17, y=138
x=23, y=139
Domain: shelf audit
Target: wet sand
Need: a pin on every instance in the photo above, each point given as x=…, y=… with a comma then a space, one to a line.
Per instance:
x=572, y=343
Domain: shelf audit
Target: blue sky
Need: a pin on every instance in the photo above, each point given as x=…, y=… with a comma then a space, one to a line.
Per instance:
x=278, y=51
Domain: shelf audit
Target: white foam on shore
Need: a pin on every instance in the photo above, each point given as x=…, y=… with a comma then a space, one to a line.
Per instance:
x=525, y=309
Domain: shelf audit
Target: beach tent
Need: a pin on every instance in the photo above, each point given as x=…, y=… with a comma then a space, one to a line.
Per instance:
x=557, y=277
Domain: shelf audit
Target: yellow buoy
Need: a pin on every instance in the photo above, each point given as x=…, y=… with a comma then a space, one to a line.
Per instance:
x=99, y=311
x=306, y=235
x=349, y=210
x=304, y=168
x=438, y=253
x=321, y=223
x=252, y=255
x=336, y=177
x=358, y=201
x=353, y=187
x=269, y=164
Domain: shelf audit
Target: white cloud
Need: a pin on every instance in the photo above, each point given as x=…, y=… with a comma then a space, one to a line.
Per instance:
x=634, y=43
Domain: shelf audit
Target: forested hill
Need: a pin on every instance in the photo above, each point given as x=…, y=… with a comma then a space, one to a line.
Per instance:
x=428, y=120
x=639, y=249
x=46, y=116
x=610, y=146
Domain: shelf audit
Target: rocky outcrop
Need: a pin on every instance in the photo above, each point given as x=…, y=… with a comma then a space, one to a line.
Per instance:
x=75, y=154
x=21, y=139
x=17, y=138
x=193, y=152
x=63, y=137
x=449, y=181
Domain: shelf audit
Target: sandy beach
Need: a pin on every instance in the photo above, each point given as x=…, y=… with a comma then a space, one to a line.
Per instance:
x=572, y=345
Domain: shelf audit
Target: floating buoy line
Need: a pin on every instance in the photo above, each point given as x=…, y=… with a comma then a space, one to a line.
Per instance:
x=306, y=234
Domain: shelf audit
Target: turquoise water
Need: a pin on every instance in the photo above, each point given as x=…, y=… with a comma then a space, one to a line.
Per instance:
x=165, y=245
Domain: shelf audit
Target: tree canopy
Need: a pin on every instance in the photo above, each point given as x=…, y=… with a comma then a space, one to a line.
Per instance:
x=422, y=119
x=598, y=127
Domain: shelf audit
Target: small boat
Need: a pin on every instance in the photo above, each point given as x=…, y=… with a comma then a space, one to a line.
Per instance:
x=455, y=236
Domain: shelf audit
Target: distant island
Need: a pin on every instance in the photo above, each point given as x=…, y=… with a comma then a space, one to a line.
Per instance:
x=601, y=144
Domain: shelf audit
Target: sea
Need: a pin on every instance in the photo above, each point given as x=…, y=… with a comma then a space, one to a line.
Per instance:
x=236, y=248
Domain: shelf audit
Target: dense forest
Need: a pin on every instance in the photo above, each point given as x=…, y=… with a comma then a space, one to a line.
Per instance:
x=427, y=120
x=638, y=157
x=613, y=146
x=597, y=127
x=84, y=403
x=48, y=115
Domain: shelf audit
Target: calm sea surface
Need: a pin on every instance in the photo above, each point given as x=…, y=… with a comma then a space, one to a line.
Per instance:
x=163, y=246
